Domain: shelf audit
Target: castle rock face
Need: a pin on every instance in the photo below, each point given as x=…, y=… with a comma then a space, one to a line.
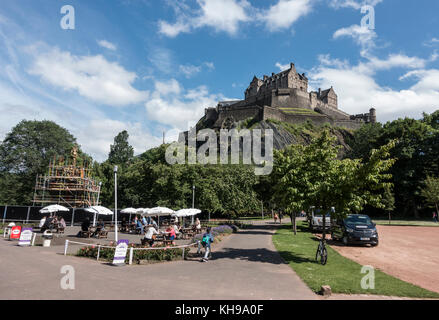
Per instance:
x=285, y=97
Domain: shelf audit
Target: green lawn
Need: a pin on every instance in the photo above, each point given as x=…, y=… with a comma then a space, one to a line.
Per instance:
x=342, y=274
x=415, y=223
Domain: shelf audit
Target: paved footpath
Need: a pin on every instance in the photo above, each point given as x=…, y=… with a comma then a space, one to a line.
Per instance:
x=244, y=266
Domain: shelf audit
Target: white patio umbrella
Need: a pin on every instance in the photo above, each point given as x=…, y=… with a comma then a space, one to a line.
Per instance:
x=129, y=211
x=183, y=213
x=53, y=208
x=158, y=212
x=186, y=213
x=98, y=210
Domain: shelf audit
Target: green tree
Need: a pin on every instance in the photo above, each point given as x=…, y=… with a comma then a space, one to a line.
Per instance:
x=313, y=176
x=26, y=152
x=431, y=192
x=121, y=152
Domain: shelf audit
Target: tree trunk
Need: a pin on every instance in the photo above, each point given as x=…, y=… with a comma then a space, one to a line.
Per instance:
x=389, y=217
x=324, y=226
x=295, y=225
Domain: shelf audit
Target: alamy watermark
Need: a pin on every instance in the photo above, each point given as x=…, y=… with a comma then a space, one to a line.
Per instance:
x=68, y=20
x=67, y=282
x=368, y=281
x=368, y=21
x=256, y=148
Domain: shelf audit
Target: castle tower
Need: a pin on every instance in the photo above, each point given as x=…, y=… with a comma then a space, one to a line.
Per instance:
x=373, y=115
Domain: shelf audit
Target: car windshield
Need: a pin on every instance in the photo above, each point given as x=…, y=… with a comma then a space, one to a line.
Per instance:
x=358, y=220
x=320, y=215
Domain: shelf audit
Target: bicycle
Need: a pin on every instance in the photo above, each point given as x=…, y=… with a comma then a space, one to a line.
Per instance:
x=322, y=253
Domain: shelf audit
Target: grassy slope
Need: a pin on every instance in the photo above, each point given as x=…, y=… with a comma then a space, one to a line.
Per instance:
x=342, y=274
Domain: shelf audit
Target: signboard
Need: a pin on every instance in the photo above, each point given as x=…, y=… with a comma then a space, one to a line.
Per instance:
x=25, y=237
x=15, y=233
x=121, y=252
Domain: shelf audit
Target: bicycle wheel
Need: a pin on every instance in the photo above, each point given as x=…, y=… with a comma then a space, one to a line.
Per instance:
x=318, y=253
x=324, y=256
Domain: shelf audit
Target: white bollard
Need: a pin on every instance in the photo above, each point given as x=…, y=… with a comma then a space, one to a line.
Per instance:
x=33, y=239
x=66, y=247
x=99, y=252
x=131, y=256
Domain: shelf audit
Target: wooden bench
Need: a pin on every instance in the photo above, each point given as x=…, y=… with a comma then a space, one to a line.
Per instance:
x=102, y=234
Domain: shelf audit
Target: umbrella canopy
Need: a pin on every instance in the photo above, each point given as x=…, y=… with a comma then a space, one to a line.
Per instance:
x=186, y=213
x=100, y=210
x=129, y=211
x=53, y=208
x=158, y=211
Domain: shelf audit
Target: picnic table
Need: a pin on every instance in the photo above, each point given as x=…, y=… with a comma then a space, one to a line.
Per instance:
x=92, y=230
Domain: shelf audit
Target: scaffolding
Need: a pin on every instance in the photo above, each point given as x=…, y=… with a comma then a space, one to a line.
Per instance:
x=66, y=184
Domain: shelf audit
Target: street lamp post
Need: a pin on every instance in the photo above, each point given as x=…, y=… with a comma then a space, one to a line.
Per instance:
x=115, y=203
x=193, y=201
x=99, y=193
x=97, y=203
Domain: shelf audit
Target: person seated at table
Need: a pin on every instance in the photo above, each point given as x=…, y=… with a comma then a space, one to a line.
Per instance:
x=48, y=225
x=85, y=224
x=154, y=223
x=177, y=229
x=62, y=223
x=171, y=234
x=124, y=224
x=150, y=235
x=139, y=226
x=197, y=225
x=100, y=227
x=144, y=221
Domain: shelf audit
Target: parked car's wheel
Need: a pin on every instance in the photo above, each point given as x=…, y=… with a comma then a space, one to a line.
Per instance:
x=345, y=240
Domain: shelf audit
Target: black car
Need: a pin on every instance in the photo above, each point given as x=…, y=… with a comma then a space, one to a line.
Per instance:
x=356, y=229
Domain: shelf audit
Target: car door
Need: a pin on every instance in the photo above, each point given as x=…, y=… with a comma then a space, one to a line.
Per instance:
x=338, y=229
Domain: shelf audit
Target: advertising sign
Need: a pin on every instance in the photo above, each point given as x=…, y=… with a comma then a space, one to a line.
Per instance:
x=15, y=233
x=25, y=237
x=121, y=252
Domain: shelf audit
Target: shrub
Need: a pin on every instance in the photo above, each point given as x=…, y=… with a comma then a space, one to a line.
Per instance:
x=107, y=254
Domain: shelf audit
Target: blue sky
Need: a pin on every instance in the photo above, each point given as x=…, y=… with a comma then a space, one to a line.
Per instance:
x=148, y=66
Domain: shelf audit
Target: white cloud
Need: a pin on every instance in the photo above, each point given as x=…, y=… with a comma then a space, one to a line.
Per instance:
x=108, y=45
x=358, y=91
x=103, y=132
x=363, y=36
x=282, y=67
x=355, y=4
x=173, y=30
x=221, y=15
x=190, y=70
x=285, y=13
x=228, y=15
x=432, y=43
x=172, y=105
x=91, y=76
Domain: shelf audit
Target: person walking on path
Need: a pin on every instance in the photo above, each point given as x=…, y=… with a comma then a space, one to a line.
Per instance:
x=280, y=217
x=435, y=217
x=206, y=240
x=275, y=217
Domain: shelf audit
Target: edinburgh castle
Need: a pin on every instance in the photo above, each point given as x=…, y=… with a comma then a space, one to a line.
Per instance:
x=285, y=97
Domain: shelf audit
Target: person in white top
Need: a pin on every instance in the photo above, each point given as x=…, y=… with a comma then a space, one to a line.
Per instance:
x=176, y=229
x=197, y=224
x=149, y=235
